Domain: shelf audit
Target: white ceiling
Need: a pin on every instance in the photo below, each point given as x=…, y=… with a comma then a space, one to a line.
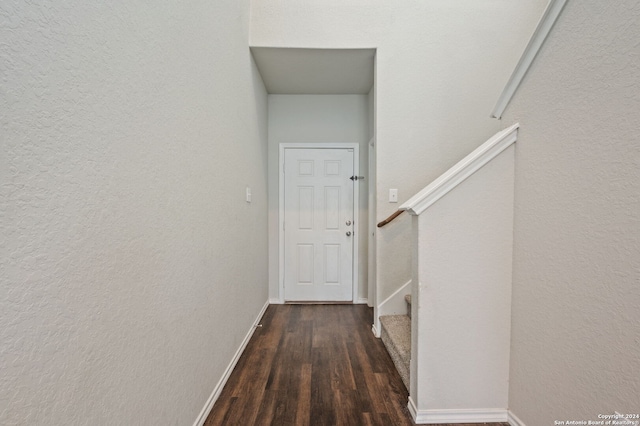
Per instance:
x=315, y=71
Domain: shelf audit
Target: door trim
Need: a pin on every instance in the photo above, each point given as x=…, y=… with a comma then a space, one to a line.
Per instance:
x=356, y=209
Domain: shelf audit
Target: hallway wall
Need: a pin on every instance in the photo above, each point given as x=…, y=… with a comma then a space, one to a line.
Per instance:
x=576, y=291
x=441, y=66
x=131, y=267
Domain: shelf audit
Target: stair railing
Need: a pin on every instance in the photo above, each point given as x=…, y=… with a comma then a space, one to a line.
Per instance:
x=390, y=218
x=461, y=287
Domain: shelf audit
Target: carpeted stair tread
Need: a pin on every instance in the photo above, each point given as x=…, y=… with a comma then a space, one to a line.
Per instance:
x=396, y=336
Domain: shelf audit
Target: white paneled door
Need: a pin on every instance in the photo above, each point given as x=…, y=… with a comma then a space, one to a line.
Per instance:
x=318, y=224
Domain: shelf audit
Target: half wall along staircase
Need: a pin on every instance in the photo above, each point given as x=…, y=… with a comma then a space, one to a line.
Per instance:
x=452, y=344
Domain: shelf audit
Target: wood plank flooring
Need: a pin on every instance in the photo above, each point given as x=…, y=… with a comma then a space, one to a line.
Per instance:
x=313, y=365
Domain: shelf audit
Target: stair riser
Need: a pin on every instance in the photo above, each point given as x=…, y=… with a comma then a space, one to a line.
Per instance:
x=403, y=370
x=396, y=336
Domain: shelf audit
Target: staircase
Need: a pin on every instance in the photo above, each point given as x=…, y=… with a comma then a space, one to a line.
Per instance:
x=462, y=252
x=396, y=336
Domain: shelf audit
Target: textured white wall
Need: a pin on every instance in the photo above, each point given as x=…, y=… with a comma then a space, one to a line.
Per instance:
x=317, y=119
x=131, y=266
x=463, y=309
x=440, y=68
x=576, y=295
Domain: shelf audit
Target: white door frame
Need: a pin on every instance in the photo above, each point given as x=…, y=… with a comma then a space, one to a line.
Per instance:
x=372, y=299
x=356, y=207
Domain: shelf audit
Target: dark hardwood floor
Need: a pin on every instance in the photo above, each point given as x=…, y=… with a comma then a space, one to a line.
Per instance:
x=313, y=365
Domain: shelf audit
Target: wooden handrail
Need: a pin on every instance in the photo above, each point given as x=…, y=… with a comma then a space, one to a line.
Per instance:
x=390, y=218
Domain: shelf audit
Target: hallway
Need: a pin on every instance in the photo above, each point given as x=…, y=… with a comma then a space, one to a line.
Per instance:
x=318, y=362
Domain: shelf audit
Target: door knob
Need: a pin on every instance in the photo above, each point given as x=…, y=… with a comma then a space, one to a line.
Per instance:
x=348, y=222
x=348, y=233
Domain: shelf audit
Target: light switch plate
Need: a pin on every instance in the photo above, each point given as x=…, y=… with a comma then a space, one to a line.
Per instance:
x=393, y=195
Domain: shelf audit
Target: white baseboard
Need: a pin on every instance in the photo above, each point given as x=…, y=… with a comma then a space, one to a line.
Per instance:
x=375, y=331
x=202, y=417
x=479, y=415
x=392, y=305
x=395, y=304
x=412, y=408
x=514, y=420
x=360, y=301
